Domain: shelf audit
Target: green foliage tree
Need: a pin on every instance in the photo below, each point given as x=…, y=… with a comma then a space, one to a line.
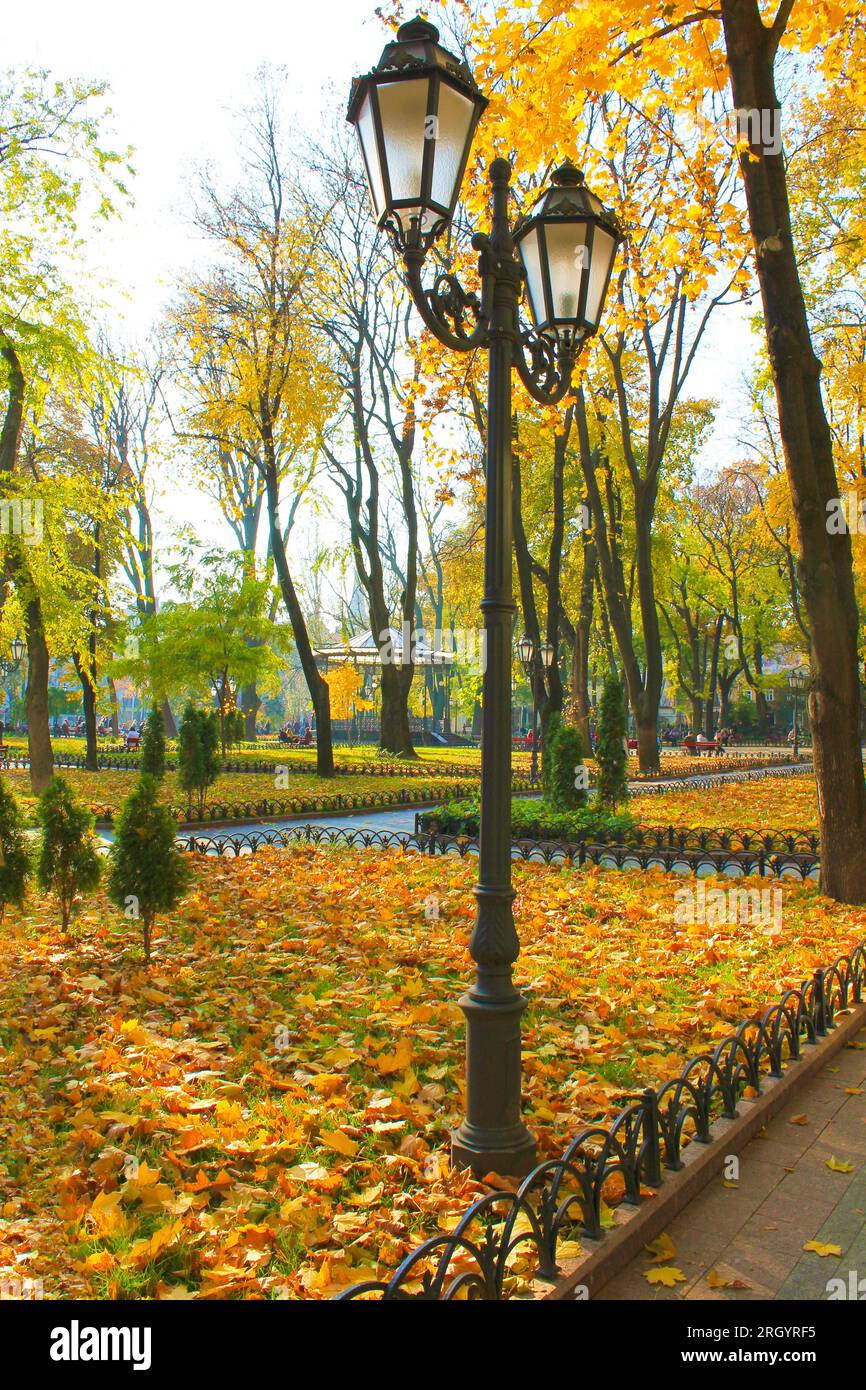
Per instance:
x=15, y=866
x=69, y=864
x=610, y=749
x=147, y=872
x=566, y=781
x=153, y=744
x=220, y=631
x=198, y=763
x=55, y=172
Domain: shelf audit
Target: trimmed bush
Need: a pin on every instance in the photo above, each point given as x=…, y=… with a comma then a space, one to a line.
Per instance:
x=69, y=864
x=552, y=725
x=153, y=744
x=567, y=782
x=15, y=865
x=610, y=752
x=197, y=761
x=147, y=872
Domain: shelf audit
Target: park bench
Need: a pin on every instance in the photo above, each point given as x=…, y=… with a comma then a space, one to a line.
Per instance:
x=691, y=745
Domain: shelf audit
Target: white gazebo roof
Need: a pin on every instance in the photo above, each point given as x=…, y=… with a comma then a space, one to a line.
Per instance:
x=362, y=650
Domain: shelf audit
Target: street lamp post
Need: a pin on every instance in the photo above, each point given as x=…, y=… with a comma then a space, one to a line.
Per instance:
x=536, y=664
x=798, y=682
x=415, y=115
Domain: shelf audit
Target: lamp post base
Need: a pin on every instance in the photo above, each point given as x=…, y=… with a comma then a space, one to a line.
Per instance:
x=512, y=1154
x=483, y=1142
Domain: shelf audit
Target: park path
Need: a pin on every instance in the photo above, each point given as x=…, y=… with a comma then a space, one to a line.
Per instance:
x=747, y=1237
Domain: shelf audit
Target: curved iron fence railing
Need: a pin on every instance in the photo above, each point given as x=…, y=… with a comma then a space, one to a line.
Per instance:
x=735, y=863
x=673, y=837
x=338, y=801
x=562, y=1197
x=721, y=779
x=374, y=767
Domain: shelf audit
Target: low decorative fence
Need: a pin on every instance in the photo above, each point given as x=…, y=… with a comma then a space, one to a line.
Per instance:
x=721, y=779
x=375, y=767
x=674, y=837
x=339, y=801
x=731, y=768
x=562, y=1198
x=782, y=863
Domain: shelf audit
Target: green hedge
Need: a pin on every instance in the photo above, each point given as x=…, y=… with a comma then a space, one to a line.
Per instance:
x=530, y=820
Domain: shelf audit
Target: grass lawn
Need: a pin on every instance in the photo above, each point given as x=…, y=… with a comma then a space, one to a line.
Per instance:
x=266, y=1112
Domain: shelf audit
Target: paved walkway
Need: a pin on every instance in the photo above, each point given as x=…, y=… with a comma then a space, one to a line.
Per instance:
x=752, y=1232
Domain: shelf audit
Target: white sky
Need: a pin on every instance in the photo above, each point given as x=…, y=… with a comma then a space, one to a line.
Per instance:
x=178, y=72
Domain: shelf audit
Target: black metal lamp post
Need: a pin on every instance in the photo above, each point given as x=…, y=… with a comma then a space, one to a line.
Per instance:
x=17, y=648
x=536, y=665
x=415, y=115
x=526, y=656
x=798, y=680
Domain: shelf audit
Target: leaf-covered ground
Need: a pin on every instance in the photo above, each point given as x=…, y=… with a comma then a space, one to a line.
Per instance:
x=773, y=803
x=104, y=791
x=266, y=1112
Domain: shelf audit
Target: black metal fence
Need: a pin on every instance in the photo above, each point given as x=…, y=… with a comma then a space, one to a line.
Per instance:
x=562, y=1198
x=676, y=837
x=780, y=862
x=721, y=779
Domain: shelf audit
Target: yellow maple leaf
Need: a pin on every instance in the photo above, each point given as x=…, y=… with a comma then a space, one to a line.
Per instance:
x=395, y=1061
x=837, y=1166
x=660, y=1249
x=336, y=1139
x=819, y=1248
x=668, y=1275
x=106, y=1215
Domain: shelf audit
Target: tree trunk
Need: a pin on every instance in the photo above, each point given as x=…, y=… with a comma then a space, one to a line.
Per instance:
x=88, y=700
x=582, y=635
x=824, y=568
x=644, y=690
x=726, y=684
x=395, y=735
x=318, y=688
x=170, y=725
x=112, y=698
x=38, y=727
x=647, y=742
x=714, y=679
x=697, y=714
x=251, y=704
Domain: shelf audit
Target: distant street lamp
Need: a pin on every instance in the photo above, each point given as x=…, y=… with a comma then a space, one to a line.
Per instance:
x=17, y=649
x=534, y=665
x=415, y=115
x=798, y=680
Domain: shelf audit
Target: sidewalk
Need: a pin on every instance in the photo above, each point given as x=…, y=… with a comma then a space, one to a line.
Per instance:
x=744, y=1240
